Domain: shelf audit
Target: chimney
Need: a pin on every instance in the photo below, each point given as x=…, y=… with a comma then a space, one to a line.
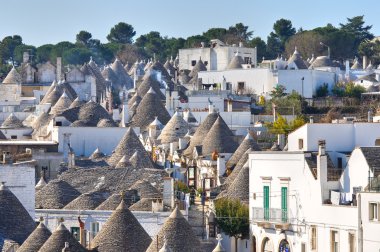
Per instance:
x=210, y=106
x=59, y=68
x=25, y=57
x=240, y=44
x=311, y=119
x=370, y=117
x=322, y=169
x=124, y=115
x=82, y=232
x=365, y=62
x=347, y=69
x=7, y=157
x=221, y=168
x=167, y=101
x=71, y=158
x=182, y=143
x=66, y=248
x=229, y=105
x=202, y=44
x=168, y=194
x=115, y=114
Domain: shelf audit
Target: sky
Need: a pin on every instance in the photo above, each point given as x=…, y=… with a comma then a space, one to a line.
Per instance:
x=48, y=22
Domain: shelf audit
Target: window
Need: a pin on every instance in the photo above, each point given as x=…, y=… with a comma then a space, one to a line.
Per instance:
x=303, y=247
x=373, y=211
x=340, y=162
x=205, y=62
x=76, y=232
x=284, y=204
x=334, y=241
x=193, y=62
x=58, y=123
x=13, y=137
x=300, y=144
x=313, y=237
x=247, y=60
x=266, y=202
x=94, y=229
x=377, y=142
x=241, y=86
x=352, y=242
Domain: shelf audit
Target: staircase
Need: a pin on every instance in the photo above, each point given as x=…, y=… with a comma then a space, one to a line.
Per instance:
x=196, y=218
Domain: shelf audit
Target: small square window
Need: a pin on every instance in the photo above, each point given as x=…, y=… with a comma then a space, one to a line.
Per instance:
x=373, y=212
x=193, y=62
x=206, y=63
x=13, y=137
x=300, y=144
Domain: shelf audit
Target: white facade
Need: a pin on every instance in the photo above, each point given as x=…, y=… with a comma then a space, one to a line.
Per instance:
x=20, y=179
x=263, y=80
x=340, y=137
x=370, y=222
x=305, y=209
x=216, y=58
x=84, y=140
x=150, y=221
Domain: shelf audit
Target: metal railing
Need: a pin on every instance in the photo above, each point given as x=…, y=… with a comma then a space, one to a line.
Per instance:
x=274, y=215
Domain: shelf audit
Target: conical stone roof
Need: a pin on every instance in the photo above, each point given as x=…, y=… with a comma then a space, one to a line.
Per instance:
x=127, y=147
x=199, y=66
x=110, y=75
x=127, y=67
x=56, y=241
x=176, y=128
x=97, y=154
x=114, y=200
x=106, y=123
x=236, y=62
x=143, y=204
x=169, y=68
x=52, y=97
x=147, y=84
x=76, y=103
x=239, y=188
x=201, y=132
x=240, y=164
x=146, y=190
x=122, y=232
x=150, y=107
x=178, y=235
x=15, y=222
x=86, y=201
x=219, y=138
x=36, y=239
x=12, y=122
x=138, y=161
x=63, y=103
x=13, y=77
x=55, y=195
x=297, y=60
x=247, y=143
x=122, y=75
x=123, y=163
x=135, y=98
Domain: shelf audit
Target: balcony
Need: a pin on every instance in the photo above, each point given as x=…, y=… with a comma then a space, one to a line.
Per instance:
x=280, y=218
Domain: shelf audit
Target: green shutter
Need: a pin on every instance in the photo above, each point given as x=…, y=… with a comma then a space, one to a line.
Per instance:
x=284, y=203
x=266, y=202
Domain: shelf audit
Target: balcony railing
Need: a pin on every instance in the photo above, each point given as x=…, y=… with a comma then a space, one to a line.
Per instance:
x=271, y=215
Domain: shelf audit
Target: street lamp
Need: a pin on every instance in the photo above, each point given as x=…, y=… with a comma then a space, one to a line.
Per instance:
x=328, y=48
x=302, y=79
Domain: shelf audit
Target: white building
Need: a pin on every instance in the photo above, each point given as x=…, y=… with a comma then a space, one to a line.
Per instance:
x=310, y=198
x=216, y=57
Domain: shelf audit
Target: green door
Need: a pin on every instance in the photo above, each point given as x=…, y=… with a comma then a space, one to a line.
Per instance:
x=284, y=204
x=266, y=202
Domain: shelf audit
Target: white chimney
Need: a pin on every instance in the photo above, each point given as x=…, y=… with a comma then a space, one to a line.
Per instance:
x=221, y=168
x=59, y=69
x=124, y=115
x=322, y=169
x=116, y=114
x=25, y=57
x=240, y=44
x=370, y=117
x=347, y=69
x=168, y=193
x=311, y=119
x=365, y=59
x=182, y=142
x=202, y=44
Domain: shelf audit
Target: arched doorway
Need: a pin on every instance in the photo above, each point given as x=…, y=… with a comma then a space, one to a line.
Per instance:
x=267, y=245
x=254, y=244
x=284, y=246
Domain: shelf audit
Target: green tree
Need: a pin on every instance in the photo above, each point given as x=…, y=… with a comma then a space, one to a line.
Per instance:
x=76, y=56
x=152, y=44
x=260, y=45
x=83, y=38
x=215, y=33
x=353, y=91
x=240, y=31
x=307, y=43
x=367, y=48
x=7, y=48
x=284, y=29
x=274, y=46
x=281, y=125
x=122, y=33
x=195, y=41
x=232, y=217
x=278, y=91
x=43, y=53
x=60, y=48
x=323, y=90
x=356, y=27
